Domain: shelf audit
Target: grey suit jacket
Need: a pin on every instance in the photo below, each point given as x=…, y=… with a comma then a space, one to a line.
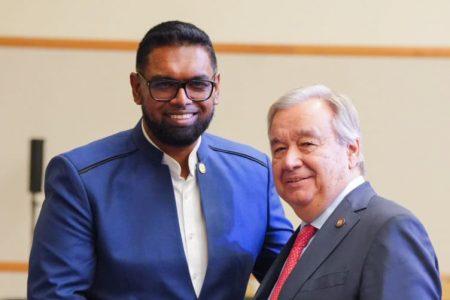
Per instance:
x=382, y=252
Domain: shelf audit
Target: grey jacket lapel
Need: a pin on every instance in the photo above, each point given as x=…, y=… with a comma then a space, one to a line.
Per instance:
x=327, y=239
x=272, y=275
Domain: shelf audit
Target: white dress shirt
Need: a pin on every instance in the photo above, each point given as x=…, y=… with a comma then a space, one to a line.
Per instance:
x=190, y=215
x=320, y=220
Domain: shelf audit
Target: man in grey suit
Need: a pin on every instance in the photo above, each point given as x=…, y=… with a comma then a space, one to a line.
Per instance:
x=363, y=246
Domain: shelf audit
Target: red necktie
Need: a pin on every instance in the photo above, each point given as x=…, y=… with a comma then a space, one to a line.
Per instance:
x=294, y=256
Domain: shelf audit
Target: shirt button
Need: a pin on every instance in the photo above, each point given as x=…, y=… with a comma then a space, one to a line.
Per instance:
x=191, y=235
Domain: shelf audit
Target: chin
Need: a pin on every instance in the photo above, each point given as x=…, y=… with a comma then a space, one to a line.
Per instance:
x=298, y=200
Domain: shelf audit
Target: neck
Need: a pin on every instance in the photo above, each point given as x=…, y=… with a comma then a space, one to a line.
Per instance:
x=180, y=154
x=314, y=209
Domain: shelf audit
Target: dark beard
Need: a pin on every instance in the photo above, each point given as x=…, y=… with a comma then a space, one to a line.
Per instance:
x=177, y=136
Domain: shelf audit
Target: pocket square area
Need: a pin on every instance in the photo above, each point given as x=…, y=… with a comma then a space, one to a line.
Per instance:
x=325, y=281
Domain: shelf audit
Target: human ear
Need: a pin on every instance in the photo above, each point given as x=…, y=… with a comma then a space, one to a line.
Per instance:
x=353, y=150
x=135, y=83
x=217, y=89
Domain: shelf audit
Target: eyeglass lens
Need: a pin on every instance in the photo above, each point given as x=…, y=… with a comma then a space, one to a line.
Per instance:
x=197, y=90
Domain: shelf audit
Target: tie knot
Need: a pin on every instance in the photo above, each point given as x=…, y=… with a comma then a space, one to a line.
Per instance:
x=304, y=236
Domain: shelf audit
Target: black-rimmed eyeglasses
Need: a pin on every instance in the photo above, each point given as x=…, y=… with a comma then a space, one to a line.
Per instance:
x=167, y=89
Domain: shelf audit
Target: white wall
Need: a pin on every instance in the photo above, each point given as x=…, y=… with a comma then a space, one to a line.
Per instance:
x=366, y=22
x=70, y=97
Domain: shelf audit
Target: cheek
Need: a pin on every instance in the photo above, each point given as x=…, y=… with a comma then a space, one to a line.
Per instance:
x=206, y=107
x=276, y=173
x=333, y=167
x=323, y=166
x=152, y=111
x=276, y=168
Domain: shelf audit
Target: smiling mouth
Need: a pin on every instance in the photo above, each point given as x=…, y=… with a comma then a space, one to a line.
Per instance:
x=296, y=179
x=182, y=116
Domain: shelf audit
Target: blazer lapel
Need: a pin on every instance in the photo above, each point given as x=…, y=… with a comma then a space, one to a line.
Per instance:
x=272, y=275
x=218, y=215
x=327, y=239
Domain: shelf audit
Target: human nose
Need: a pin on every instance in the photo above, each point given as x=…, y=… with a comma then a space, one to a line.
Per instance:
x=293, y=159
x=181, y=97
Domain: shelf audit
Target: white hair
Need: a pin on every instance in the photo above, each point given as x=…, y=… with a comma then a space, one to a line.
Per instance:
x=345, y=121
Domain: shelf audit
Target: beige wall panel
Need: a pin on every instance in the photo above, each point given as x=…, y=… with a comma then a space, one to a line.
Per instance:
x=366, y=22
x=72, y=97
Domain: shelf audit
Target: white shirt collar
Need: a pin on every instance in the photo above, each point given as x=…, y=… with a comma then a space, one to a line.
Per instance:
x=320, y=220
x=173, y=165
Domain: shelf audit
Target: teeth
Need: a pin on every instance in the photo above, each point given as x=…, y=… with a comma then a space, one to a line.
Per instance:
x=183, y=116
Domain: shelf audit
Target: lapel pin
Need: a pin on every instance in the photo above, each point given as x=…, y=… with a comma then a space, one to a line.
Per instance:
x=202, y=168
x=340, y=222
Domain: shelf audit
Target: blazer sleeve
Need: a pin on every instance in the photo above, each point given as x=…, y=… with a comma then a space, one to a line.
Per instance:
x=62, y=259
x=278, y=231
x=401, y=263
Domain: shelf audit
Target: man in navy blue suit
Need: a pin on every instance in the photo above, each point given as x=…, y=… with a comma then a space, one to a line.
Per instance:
x=164, y=210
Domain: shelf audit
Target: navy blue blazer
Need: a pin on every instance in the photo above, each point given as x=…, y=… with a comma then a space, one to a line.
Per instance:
x=382, y=252
x=108, y=228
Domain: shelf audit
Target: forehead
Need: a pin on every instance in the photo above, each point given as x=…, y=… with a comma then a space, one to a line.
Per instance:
x=309, y=118
x=176, y=59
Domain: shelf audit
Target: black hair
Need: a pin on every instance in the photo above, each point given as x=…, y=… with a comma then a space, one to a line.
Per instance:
x=173, y=33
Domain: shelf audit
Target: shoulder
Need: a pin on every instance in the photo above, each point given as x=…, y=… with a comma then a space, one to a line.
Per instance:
x=101, y=151
x=234, y=150
x=376, y=212
x=387, y=209
x=369, y=204
x=388, y=219
x=399, y=248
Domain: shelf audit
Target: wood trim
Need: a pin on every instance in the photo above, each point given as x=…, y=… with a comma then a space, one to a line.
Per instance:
x=330, y=50
x=67, y=43
x=445, y=279
x=9, y=266
x=234, y=48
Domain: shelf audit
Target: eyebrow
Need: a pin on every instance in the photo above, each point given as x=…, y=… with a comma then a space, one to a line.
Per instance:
x=198, y=77
x=159, y=77
x=274, y=141
x=299, y=133
x=307, y=133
